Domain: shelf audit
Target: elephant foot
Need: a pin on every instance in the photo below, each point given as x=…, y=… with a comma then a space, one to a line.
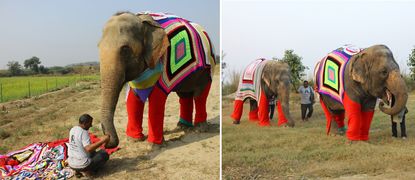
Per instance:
x=141, y=139
x=202, y=127
x=290, y=123
x=341, y=131
x=182, y=127
x=236, y=122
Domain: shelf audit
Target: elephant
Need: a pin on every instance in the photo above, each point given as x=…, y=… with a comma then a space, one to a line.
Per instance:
x=349, y=81
x=155, y=54
x=261, y=80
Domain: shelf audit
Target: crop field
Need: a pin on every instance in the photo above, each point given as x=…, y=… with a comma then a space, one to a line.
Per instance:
x=13, y=88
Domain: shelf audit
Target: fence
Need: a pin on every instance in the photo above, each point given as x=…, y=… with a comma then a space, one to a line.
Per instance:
x=25, y=87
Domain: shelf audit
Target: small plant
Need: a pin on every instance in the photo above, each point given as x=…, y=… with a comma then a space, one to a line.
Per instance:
x=4, y=134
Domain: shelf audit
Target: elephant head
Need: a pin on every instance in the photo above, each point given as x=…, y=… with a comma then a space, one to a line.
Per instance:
x=276, y=81
x=378, y=75
x=129, y=45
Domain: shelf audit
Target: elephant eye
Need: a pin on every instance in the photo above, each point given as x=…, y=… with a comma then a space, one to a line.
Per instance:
x=384, y=72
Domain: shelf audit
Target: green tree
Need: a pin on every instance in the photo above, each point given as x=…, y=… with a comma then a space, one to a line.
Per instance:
x=296, y=66
x=411, y=63
x=14, y=68
x=33, y=64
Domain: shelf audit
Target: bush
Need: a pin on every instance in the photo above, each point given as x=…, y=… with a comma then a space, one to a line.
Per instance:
x=232, y=85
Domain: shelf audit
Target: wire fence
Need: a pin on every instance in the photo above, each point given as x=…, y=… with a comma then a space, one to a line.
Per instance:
x=14, y=88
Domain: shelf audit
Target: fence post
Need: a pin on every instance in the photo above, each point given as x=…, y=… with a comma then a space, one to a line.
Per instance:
x=28, y=87
x=46, y=85
x=1, y=92
x=56, y=83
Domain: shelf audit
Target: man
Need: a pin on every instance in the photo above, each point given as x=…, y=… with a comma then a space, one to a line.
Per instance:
x=307, y=100
x=82, y=156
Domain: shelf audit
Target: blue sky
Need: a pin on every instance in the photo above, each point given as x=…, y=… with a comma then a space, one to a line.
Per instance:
x=65, y=32
x=265, y=28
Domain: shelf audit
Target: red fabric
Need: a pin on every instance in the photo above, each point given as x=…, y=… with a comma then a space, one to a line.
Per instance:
x=200, y=103
x=339, y=118
x=93, y=138
x=237, y=110
x=354, y=113
x=263, y=112
x=328, y=116
x=367, y=117
x=157, y=102
x=135, y=109
x=253, y=115
x=281, y=117
x=186, y=109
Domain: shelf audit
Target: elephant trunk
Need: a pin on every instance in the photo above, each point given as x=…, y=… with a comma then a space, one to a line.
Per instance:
x=284, y=99
x=396, y=89
x=112, y=80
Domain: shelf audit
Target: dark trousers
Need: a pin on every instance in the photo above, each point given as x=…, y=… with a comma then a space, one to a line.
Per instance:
x=98, y=160
x=304, y=108
x=271, y=111
x=403, y=128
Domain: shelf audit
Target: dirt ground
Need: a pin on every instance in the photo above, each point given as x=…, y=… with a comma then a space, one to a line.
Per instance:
x=49, y=117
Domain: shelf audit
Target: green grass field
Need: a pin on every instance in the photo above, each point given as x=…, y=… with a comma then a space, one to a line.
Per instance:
x=306, y=152
x=22, y=87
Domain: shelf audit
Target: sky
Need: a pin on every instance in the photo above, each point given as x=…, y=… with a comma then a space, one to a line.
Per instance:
x=263, y=28
x=65, y=32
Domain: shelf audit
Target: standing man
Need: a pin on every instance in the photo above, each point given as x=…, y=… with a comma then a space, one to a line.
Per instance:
x=307, y=100
x=82, y=156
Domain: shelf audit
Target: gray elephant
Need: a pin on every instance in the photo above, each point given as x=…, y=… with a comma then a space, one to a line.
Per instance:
x=155, y=54
x=261, y=80
x=349, y=81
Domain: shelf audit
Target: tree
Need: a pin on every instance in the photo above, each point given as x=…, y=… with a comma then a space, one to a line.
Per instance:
x=43, y=70
x=296, y=66
x=411, y=63
x=14, y=68
x=33, y=64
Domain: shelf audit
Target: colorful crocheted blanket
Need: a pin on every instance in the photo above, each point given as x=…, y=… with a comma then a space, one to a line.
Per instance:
x=190, y=50
x=250, y=81
x=329, y=72
x=40, y=161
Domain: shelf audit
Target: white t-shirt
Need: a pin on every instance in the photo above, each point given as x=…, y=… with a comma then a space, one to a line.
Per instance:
x=305, y=94
x=77, y=155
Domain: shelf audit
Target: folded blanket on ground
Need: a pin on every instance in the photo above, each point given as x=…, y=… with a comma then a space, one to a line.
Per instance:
x=40, y=161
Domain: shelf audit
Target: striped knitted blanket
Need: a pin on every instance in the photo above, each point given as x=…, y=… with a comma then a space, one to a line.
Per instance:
x=40, y=161
x=329, y=72
x=250, y=81
x=190, y=50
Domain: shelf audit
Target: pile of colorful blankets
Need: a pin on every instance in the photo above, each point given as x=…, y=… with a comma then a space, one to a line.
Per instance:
x=39, y=161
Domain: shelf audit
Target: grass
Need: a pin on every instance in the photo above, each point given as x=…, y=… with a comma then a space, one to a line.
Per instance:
x=13, y=88
x=251, y=152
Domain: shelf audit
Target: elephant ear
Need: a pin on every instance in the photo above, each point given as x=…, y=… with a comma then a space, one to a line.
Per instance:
x=358, y=67
x=156, y=41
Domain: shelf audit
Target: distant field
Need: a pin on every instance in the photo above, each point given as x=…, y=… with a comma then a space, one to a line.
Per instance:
x=22, y=87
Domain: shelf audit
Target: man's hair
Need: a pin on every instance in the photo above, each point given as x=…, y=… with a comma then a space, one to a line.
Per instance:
x=305, y=81
x=85, y=118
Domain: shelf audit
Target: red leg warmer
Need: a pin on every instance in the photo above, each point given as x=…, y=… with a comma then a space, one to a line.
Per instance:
x=135, y=109
x=263, y=112
x=367, y=117
x=281, y=117
x=237, y=110
x=186, y=111
x=354, y=113
x=339, y=118
x=157, y=102
x=328, y=116
x=200, y=102
x=253, y=115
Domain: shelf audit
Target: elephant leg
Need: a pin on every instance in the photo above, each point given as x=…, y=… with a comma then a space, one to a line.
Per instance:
x=354, y=113
x=157, y=102
x=281, y=117
x=186, y=111
x=238, y=107
x=263, y=113
x=253, y=113
x=135, y=109
x=328, y=116
x=200, y=103
x=367, y=117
